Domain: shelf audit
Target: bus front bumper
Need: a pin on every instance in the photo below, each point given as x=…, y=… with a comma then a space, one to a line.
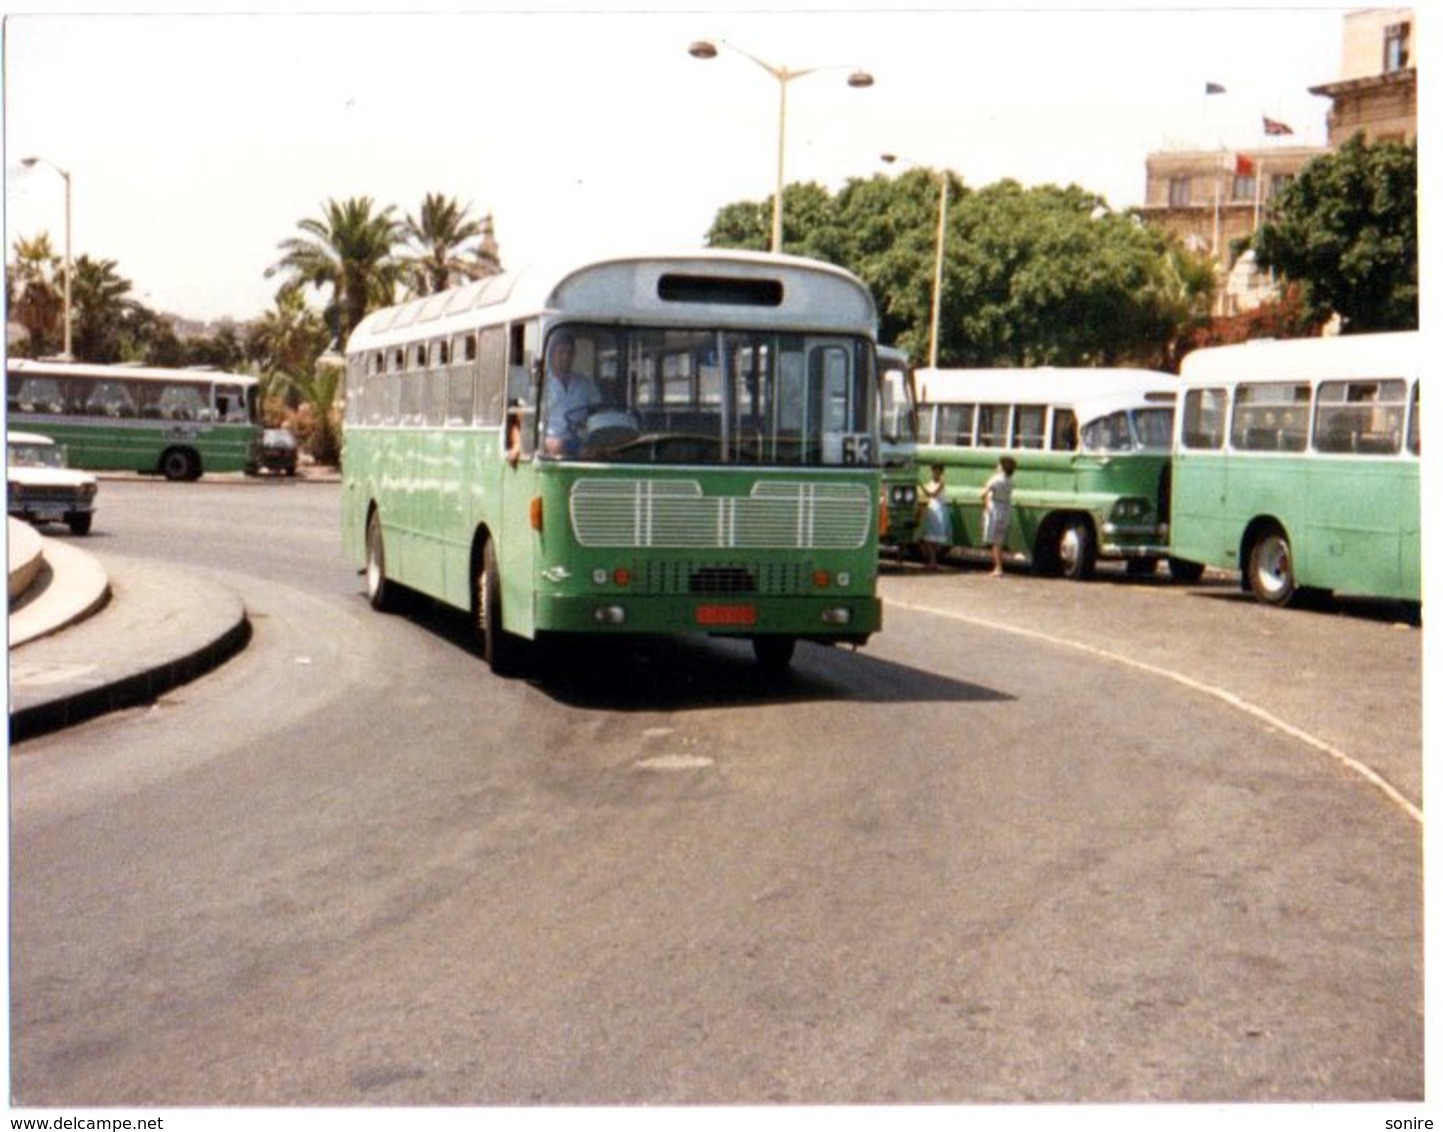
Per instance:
x=839, y=619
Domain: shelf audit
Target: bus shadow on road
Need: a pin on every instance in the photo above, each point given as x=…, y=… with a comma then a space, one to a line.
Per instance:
x=686, y=673
x=678, y=674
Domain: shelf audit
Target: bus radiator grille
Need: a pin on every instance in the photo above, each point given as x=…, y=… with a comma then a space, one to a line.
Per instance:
x=677, y=577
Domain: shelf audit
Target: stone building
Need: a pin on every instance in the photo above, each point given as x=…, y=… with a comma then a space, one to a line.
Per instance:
x=1212, y=199
x=1376, y=94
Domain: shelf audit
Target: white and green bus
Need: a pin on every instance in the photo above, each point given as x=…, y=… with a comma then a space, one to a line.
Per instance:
x=1296, y=464
x=650, y=445
x=179, y=423
x=1093, y=450
x=899, y=449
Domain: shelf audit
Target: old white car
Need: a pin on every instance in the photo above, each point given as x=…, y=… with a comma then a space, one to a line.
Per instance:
x=41, y=489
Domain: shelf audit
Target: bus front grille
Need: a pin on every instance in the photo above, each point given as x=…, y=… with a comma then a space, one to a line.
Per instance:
x=676, y=514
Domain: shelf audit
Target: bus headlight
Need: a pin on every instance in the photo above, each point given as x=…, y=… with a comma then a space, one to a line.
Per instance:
x=838, y=615
x=610, y=615
x=1130, y=510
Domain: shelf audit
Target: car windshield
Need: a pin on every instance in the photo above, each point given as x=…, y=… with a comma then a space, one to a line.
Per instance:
x=706, y=396
x=36, y=456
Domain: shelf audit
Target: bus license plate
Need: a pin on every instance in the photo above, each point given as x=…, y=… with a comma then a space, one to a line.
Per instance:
x=726, y=615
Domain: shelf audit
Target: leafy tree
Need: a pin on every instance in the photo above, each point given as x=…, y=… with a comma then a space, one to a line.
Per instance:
x=350, y=249
x=1346, y=230
x=34, y=294
x=1041, y=276
x=447, y=245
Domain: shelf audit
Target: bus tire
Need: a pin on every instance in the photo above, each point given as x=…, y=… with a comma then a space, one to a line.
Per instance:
x=1182, y=570
x=774, y=654
x=180, y=464
x=500, y=649
x=1076, y=549
x=380, y=590
x=1270, y=567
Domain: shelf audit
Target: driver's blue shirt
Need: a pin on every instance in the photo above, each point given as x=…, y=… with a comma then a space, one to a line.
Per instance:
x=568, y=403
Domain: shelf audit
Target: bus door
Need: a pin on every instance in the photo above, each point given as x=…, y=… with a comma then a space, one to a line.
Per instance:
x=517, y=540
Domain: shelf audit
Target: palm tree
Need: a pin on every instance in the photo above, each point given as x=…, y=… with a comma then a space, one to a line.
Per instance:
x=286, y=340
x=100, y=309
x=440, y=237
x=351, y=250
x=32, y=294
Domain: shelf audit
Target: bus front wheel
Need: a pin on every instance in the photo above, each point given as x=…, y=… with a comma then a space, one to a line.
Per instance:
x=774, y=654
x=1270, y=567
x=500, y=649
x=1076, y=550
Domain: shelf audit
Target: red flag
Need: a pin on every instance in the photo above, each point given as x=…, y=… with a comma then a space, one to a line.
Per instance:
x=1244, y=166
x=1274, y=128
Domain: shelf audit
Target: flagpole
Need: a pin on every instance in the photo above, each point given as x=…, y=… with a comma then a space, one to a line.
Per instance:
x=1258, y=194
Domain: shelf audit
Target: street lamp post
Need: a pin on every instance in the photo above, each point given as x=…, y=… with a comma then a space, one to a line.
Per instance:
x=706, y=49
x=889, y=158
x=30, y=163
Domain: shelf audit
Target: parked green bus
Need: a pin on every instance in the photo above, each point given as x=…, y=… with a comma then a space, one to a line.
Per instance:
x=1093, y=452
x=672, y=444
x=899, y=449
x=1297, y=462
x=179, y=423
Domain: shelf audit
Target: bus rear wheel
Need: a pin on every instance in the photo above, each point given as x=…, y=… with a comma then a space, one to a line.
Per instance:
x=500, y=649
x=180, y=464
x=1270, y=567
x=1184, y=570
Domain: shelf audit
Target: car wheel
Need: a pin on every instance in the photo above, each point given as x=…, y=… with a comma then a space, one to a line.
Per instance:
x=79, y=522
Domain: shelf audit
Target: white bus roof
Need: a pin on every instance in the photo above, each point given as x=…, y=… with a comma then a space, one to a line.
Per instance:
x=603, y=288
x=41, y=368
x=1395, y=354
x=1043, y=385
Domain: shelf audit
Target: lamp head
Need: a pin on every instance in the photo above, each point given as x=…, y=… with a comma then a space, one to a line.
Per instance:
x=860, y=79
x=889, y=158
x=702, y=49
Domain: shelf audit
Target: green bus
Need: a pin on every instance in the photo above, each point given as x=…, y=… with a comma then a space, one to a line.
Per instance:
x=1296, y=465
x=899, y=449
x=1093, y=453
x=179, y=423
x=666, y=444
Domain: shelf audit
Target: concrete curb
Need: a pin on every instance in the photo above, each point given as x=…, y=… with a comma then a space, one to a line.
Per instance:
x=65, y=586
x=164, y=628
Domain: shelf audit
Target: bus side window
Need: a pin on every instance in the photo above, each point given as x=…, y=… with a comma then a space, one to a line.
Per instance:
x=1415, y=428
x=491, y=376
x=1064, y=430
x=1203, y=413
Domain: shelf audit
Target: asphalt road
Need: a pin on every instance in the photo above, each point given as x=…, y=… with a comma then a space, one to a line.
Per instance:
x=1039, y=842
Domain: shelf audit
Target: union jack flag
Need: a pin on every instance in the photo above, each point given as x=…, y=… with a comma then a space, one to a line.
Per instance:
x=1274, y=128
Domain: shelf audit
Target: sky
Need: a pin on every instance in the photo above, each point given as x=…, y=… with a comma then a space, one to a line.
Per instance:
x=204, y=139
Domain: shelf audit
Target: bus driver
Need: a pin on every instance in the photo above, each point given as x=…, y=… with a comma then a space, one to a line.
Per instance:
x=570, y=398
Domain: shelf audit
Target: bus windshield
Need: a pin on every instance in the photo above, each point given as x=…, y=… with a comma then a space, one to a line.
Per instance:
x=707, y=396
x=1133, y=430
